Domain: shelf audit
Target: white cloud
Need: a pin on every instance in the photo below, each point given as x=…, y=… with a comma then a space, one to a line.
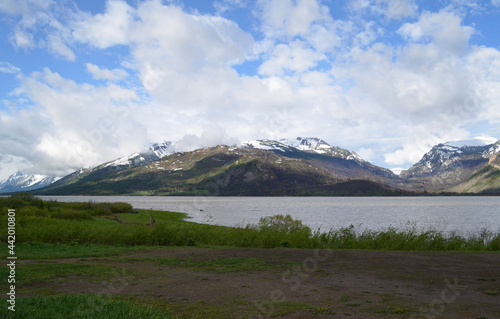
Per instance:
x=184, y=60
x=7, y=67
x=294, y=57
x=391, y=9
x=496, y=3
x=57, y=46
x=397, y=9
x=423, y=138
x=108, y=29
x=325, y=37
x=444, y=28
x=74, y=125
x=23, y=39
x=366, y=153
x=370, y=34
x=340, y=80
x=105, y=74
x=290, y=18
x=39, y=26
x=225, y=5
x=24, y=7
x=432, y=89
x=212, y=137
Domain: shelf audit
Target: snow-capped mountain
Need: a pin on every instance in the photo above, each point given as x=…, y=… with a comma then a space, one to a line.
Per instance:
x=314, y=145
x=285, y=164
x=273, y=168
x=445, y=154
x=306, y=144
x=20, y=182
x=154, y=152
x=449, y=164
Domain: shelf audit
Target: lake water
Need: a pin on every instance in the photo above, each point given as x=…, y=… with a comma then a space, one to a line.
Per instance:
x=462, y=214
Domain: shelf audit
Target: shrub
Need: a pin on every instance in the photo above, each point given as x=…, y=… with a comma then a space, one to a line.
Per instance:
x=283, y=225
x=191, y=242
x=285, y=244
x=121, y=208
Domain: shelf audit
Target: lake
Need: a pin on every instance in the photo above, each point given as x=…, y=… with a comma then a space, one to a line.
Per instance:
x=463, y=214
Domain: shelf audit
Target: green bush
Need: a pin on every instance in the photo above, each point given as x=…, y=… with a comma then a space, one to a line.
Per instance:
x=19, y=200
x=121, y=208
x=282, y=225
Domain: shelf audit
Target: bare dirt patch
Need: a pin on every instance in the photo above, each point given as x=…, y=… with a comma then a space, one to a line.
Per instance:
x=305, y=283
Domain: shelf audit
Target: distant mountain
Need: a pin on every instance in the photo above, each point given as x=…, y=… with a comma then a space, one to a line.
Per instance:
x=487, y=179
x=306, y=144
x=20, y=182
x=301, y=166
x=263, y=167
x=325, y=152
x=450, y=164
x=154, y=152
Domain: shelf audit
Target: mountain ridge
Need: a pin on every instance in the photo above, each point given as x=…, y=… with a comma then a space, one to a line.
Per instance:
x=450, y=164
x=271, y=168
x=457, y=166
x=21, y=182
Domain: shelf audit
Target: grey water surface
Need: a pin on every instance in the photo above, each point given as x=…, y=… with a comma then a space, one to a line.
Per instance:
x=466, y=215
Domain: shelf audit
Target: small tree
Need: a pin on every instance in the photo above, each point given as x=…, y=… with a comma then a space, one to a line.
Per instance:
x=283, y=225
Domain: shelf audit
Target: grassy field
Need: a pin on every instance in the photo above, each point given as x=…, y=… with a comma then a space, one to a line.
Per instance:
x=58, y=242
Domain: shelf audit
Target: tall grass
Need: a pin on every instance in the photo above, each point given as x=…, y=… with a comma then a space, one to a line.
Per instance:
x=117, y=224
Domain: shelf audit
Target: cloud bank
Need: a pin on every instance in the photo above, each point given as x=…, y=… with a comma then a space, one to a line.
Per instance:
x=388, y=79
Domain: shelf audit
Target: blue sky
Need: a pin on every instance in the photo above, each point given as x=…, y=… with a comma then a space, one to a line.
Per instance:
x=84, y=82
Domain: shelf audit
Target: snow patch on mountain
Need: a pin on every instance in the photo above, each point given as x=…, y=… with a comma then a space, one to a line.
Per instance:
x=306, y=144
x=155, y=151
x=19, y=182
x=162, y=149
x=268, y=145
x=134, y=159
x=494, y=149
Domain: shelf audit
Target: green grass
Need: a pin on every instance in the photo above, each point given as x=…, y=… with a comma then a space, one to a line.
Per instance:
x=491, y=292
x=352, y=304
x=38, y=250
x=221, y=265
x=238, y=308
x=224, y=264
x=81, y=307
x=391, y=310
x=26, y=274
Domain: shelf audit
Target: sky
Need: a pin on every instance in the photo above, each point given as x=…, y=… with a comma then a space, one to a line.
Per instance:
x=85, y=82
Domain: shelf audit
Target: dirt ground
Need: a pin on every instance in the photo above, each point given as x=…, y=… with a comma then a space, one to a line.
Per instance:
x=336, y=284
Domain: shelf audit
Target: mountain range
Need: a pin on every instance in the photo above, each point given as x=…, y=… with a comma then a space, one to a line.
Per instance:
x=20, y=182
x=301, y=166
x=462, y=166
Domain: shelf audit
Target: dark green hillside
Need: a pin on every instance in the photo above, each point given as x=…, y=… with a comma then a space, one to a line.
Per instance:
x=230, y=171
